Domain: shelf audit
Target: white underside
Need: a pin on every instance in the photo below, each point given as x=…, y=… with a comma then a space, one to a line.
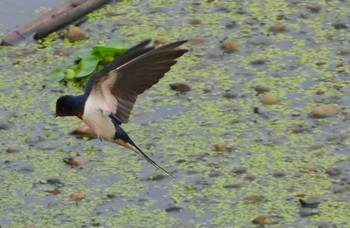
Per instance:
x=98, y=119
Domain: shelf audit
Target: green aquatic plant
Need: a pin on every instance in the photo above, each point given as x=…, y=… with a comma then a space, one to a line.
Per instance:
x=89, y=61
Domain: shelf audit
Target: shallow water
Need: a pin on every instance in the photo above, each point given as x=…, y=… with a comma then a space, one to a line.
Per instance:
x=274, y=155
x=14, y=14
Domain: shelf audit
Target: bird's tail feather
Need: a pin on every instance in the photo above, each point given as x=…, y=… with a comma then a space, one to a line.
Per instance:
x=132, y=146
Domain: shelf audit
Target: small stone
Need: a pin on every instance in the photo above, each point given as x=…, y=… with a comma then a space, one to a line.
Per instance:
x=160, y=41
x=277, y=28
x=173, y=209
x=75, y=34
x=340, y=26
x=344, y=52
x=11, y=150
x=269, y=99
x=239, y=170
x=156, y=177
x=196, y=40
x=333, y=171
x=74, y=161
x=250, y=177
x=310, y=168
x=54, y=191
x=229, y=46
x=229, y=95
x=231, y=24
x=279, y=174
x=135, y=113
x=220, y=148
x=54, y=181
x=311, y=202
x=262, y=220
x=258, y=62
x=234, y=186
x=110, y=196
x=195, y=21
x=324, y=111
x=337, y=188
x=4, y=125
x=314, y=8
x=181, y=87
x=77, y=196
x=260, y=89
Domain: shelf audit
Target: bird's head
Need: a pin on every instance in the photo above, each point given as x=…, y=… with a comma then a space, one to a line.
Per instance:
x=67, y=106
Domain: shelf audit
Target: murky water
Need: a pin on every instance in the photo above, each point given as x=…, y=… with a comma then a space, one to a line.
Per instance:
x=238, y=161
x=14, y=14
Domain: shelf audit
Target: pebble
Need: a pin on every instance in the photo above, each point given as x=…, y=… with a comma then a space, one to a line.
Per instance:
x=174, y=209
x=74, y=161
x=337, y=188
x=160, y=41
x=310, y=168
x=181, y=87
x=229, y=46
x=269, y=99
x=11, y=150
x=231, y=24
x=262, y=220
x=277, y=28
x=4, y=125
x=239, y=170
x=54, y=191
x=311, y=202
x=77, y=196
x=314, y=8
x=333, y=171
x=54, y=181
x=260, y=89
x=229, y=95
x=340, y=26
x=220, y=148
x=195, y=21
x=324, y=111
x=258, y=62
x=74, y=34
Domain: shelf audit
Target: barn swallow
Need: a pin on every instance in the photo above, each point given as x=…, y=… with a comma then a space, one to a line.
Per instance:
x=111, y=93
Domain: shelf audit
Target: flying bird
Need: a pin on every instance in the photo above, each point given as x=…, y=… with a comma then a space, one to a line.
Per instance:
x=111, y=93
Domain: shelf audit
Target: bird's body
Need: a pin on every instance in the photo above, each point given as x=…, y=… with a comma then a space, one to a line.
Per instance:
x=110, y=94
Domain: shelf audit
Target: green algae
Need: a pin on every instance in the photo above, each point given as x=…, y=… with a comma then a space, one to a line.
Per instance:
x=180, y=130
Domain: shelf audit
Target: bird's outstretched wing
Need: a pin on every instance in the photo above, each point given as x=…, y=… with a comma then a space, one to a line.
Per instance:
x=129, y=75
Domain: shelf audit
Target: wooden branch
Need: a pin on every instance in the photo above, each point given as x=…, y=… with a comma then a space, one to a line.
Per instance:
x=52, y=20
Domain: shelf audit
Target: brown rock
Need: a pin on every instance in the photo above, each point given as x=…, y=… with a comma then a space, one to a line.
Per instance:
x=220, y=148
x=277, y=28
x=262, y=220
x=77, y=196
x=324, y=111
x=75, y=34
x=269, y=99
x=180, y=87
x=229, y=46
